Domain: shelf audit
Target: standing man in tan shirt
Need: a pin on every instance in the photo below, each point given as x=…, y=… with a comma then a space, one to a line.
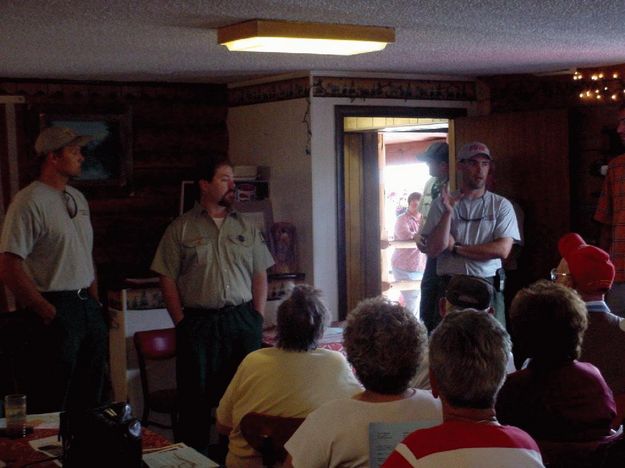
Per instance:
x=212, y=265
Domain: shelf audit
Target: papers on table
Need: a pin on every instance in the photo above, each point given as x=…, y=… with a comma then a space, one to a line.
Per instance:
x=332, y=335
x=384, y=437
x=50, y=446
x=176, y=455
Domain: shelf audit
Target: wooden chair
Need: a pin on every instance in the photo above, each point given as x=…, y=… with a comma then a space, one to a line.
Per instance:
x=586, y=454
x=157, y=345
x=268, y=434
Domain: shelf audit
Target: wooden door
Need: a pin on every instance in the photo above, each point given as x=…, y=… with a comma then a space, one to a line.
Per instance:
x=531, y=156
x=362, y=216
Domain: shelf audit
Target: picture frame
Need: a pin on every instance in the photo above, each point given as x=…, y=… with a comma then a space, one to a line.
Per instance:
x=108, y=157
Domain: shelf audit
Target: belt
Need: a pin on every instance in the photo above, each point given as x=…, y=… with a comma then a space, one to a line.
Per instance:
x=82, y=294
x=490, y=279
x=201, y=311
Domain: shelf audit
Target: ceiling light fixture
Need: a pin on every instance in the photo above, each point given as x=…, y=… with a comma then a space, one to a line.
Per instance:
x=304, y=38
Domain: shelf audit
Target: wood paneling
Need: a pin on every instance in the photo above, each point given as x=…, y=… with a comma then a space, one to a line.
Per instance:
x=173, y=127
x=532, y=168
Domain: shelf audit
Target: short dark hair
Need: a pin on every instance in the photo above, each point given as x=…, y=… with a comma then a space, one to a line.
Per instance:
x=208, y=165
x=384, y=342
x=469, y=352
x=301, y=319
x=206, y=168
x=414, y=196
x=548, y=322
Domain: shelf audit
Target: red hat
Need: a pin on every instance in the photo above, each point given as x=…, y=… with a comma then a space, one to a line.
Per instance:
x=570, y=242
x=591, y=269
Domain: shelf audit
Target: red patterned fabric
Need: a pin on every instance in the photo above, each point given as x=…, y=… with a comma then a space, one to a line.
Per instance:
x=17, y=453
x=611, y=210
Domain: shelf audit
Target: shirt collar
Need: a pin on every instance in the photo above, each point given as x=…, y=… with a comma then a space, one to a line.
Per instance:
x=597, y=306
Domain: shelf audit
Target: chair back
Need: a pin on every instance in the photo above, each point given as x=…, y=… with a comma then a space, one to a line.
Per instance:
x=156, y=344
x=578, y=454
x=267, y=434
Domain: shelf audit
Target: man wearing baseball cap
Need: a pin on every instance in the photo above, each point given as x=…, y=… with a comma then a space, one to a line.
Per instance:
x=589, y=271
x=46, y=260
x=471, y=230
x=436, y=156
x=464, y=293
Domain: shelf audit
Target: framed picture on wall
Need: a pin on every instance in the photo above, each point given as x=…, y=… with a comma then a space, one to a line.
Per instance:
x=108, y=157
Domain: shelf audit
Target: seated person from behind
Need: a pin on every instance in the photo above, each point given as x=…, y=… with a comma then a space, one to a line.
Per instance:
x=464, y=292
x=384, y=344
x=289, y=380
x=589, y=271
x=556, y=398
x=468, y=366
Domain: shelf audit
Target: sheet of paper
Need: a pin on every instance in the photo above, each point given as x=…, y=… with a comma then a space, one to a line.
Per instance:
x=332, y=335
x=384, y=437
x=178, y=456
x=51, y=446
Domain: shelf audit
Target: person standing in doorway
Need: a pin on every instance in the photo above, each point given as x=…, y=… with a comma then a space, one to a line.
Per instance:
x=409, y=263
x=437, y=158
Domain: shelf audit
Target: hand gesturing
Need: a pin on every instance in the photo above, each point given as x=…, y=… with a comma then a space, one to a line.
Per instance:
x=448, y=199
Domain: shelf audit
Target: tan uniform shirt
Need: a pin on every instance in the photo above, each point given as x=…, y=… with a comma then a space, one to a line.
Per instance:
x=212, y=267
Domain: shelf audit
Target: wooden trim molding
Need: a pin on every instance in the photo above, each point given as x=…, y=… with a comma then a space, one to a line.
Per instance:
x=384, y=88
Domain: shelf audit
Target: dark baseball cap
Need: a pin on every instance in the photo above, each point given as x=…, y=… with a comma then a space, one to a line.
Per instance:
x=436, y=152
x=469, y=292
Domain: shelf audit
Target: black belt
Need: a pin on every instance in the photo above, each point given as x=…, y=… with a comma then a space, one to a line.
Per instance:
x=490, y=279
x=82, y=294
x=223, y=310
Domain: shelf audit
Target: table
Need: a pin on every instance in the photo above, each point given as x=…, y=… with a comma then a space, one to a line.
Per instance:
x=18, y=453
x=332, y=338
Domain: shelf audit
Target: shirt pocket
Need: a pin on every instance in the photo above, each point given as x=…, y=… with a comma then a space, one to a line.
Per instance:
x=240, y=247
x=195, y=252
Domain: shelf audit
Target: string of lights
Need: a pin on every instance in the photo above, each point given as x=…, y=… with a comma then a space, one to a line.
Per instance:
x=606, y=85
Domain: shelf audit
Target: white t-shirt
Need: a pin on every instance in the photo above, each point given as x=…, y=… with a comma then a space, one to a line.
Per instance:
x=281, y=383
x=337, y=434
x=57, y=249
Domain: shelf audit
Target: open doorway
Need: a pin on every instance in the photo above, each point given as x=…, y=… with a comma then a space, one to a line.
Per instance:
x=361, y=167
x=404, y=183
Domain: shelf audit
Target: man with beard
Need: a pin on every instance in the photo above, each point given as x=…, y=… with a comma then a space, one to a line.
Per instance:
x=46, y=261
x=611, y=214
x=212, y=265
x=471, y=230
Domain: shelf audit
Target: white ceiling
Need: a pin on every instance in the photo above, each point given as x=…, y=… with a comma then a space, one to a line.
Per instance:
x=175, y=40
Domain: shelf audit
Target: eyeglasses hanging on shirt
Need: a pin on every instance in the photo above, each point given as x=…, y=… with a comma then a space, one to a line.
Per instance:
x=467, y=219
x=70, y=204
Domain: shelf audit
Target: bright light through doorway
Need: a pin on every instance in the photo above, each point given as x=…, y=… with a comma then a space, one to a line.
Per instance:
x=399, y=182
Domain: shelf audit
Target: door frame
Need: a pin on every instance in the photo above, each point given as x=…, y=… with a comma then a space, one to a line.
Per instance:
x=340, y=112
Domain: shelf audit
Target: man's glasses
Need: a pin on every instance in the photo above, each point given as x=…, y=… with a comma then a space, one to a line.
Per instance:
x=70, y=204
x=554, y=274
x=473, y=219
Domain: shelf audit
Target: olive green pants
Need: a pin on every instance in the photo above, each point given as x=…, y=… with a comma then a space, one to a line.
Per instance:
x=67, y=358
x=210, y=344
